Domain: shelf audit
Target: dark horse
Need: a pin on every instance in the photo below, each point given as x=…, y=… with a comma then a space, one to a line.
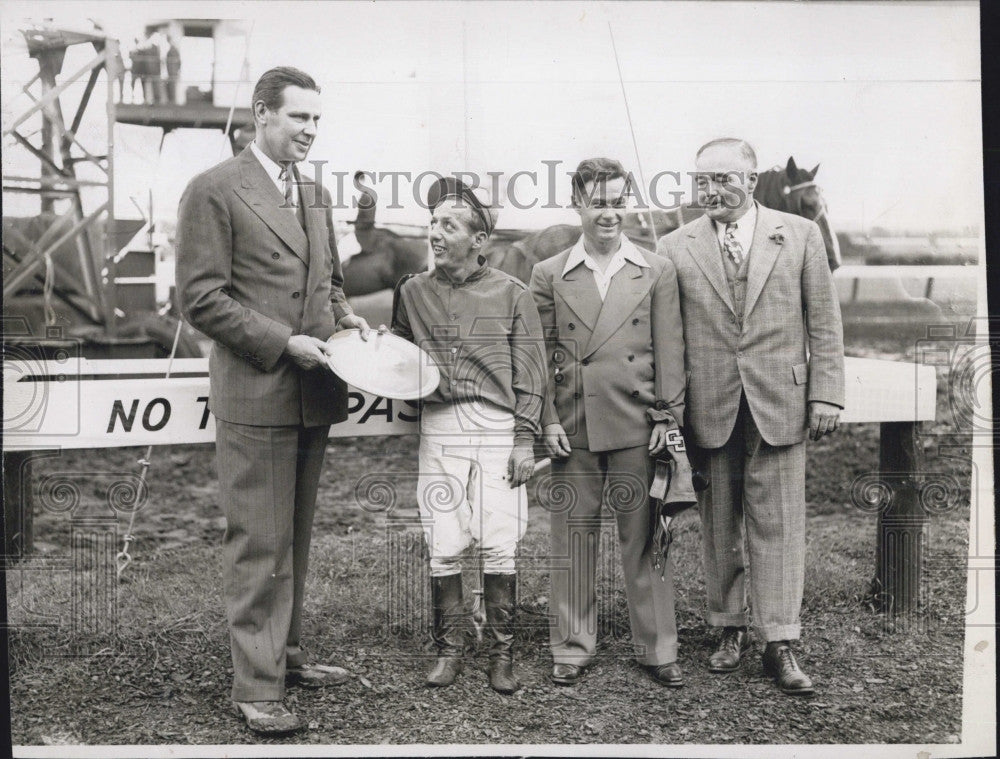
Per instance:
x=387, y=256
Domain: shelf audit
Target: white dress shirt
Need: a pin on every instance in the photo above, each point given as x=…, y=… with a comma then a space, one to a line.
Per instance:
x=745, y=226
x=274, y=172
x=626, y=252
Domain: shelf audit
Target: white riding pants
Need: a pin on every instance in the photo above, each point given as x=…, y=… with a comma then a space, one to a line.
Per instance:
x=462, y=490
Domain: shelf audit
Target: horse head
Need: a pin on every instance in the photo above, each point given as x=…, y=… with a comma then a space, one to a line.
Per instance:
x=794, y=190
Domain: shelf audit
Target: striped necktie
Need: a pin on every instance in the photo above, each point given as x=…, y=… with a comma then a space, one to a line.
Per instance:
x=732, y=245
x=288, y=190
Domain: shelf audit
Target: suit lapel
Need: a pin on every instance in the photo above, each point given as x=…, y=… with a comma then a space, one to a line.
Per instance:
x=763, y=253
x=579, y=291
x=316, y=228
x=259, y=193
x=627, y=289
x=313, y=216
x=703, y=246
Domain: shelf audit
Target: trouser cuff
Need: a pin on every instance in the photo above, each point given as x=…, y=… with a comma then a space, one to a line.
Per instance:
x=581, y=660
x=656, y=658
x=724, y=619
x=780, y=632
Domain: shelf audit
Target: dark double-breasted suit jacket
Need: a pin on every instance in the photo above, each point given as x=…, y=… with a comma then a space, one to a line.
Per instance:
x=250, y=277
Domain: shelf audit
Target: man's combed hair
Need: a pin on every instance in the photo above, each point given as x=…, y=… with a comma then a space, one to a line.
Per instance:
x=474, y=221
x=272, y=83
x=596, y=170
x=745, y=148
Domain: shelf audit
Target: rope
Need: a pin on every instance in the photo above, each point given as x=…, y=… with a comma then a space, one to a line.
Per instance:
x=123, y=558
x=635, y=144
x=244, y=76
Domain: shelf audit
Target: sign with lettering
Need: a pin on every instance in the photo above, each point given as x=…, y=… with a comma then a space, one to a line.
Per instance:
x=76, y=403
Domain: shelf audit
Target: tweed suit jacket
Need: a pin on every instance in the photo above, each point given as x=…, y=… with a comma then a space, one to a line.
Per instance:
x=791, y=304
x=250, y=277
x=615, y=366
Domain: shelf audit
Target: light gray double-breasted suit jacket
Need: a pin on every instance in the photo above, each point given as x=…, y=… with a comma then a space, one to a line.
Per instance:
x=611, y=361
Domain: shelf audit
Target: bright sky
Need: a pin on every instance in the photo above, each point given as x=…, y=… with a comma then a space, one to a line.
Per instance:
x=886, y=96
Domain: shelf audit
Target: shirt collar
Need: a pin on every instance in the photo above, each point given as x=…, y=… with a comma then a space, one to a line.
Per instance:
x=746, y=221
x=627, y=251
x=478, y=274
x=273, y=169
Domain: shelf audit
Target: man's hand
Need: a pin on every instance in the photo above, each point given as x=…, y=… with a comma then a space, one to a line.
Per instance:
x=353, y=321
x=556, y=442
x=520, y=465
x=823, y=419
x=658, y=437
x=307, y=352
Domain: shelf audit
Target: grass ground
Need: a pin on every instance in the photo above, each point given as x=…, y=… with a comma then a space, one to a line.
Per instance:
x=162, y=675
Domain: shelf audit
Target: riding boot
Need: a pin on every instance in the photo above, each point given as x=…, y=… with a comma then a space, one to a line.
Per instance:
x=448, y=632
x=500, y=592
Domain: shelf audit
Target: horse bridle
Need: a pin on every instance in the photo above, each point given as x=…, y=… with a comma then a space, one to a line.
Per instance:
x=788, y=190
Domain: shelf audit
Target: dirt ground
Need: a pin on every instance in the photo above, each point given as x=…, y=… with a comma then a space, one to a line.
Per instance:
x=160, y=673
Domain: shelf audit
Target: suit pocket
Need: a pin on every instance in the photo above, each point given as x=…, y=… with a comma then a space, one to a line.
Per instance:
x=801, y=373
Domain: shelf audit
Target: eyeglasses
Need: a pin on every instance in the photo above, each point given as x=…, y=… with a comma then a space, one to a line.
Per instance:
x=723, y=177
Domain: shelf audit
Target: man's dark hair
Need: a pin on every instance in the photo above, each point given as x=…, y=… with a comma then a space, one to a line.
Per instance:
x=595, y=170
x=475, y=222
x=271, y=85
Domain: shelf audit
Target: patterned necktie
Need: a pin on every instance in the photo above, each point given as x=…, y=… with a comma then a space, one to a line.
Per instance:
x=732, y=245
x=287, y=187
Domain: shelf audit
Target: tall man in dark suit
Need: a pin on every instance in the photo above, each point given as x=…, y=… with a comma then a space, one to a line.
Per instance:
x=765, y=358
x=615, y=345
x=259, y=274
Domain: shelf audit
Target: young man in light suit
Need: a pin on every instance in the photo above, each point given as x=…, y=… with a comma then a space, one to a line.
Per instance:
x=765, y=358
x=258, y=273
x=615, y=344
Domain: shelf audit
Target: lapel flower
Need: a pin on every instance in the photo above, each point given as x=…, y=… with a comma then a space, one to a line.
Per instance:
x=777, y=237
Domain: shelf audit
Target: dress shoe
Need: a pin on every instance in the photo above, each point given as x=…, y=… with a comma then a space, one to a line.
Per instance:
x=566, y=674
x=267, y=717
x=780, y=664
x=734, y=643
x=666, y=674
x=316, y=676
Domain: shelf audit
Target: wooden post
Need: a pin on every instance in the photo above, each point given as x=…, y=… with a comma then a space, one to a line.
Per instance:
x=94, y=608
x=17, y=504
x=900, y=547
x=408, y=598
